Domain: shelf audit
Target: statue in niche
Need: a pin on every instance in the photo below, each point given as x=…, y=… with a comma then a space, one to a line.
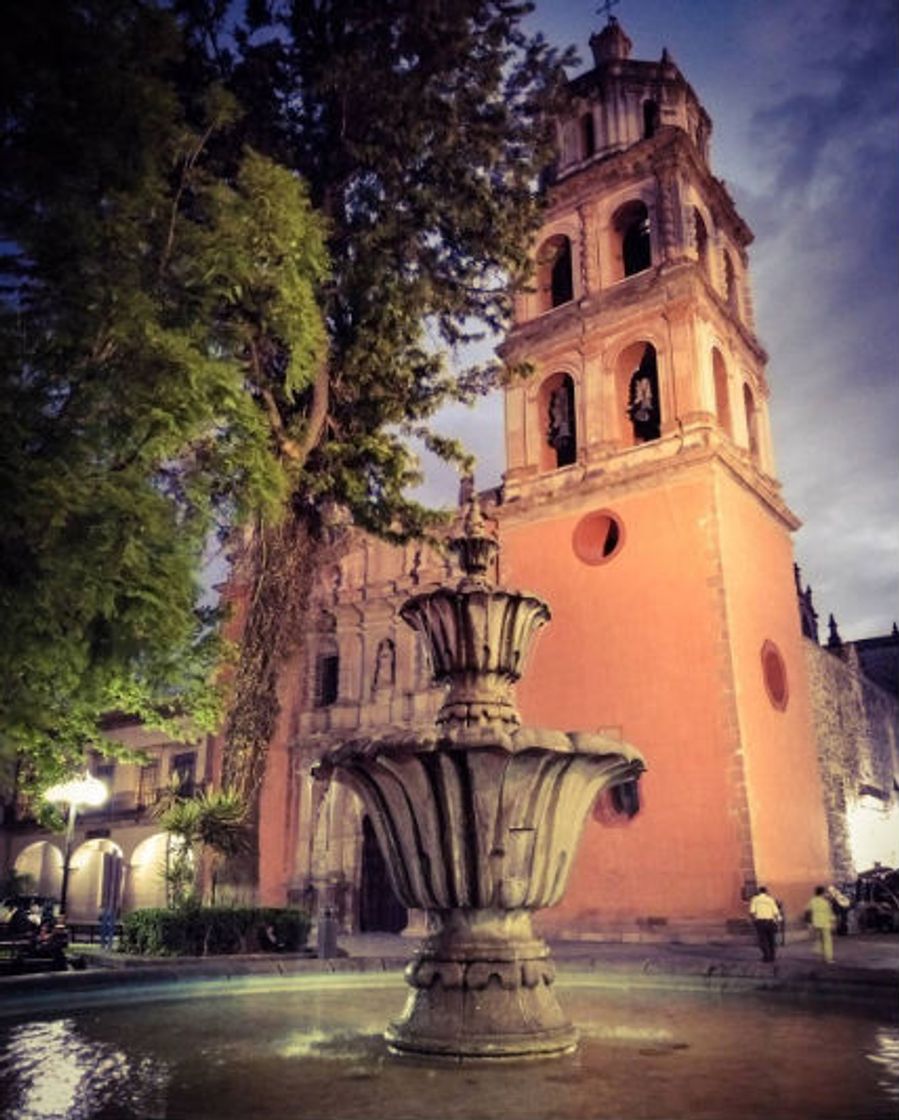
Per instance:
x=560, y=436
x=385, y=666
x=643, y=399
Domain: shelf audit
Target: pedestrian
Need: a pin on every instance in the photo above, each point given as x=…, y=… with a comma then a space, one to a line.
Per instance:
x=107, y=927
x=821, y=918
x=840, y=904
x=765, y=913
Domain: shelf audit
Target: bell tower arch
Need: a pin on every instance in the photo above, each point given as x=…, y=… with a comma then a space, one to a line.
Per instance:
x=652, y=371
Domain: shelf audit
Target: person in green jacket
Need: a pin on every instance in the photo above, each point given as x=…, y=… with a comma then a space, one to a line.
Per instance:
x=822, y=922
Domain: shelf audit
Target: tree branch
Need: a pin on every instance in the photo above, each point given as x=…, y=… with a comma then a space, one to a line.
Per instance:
x=318, y=413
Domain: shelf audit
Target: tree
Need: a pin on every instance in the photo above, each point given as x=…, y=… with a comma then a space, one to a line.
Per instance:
x=421, y=129
x=160, y=291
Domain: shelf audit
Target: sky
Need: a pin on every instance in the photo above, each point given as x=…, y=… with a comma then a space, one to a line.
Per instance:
x=804, y=100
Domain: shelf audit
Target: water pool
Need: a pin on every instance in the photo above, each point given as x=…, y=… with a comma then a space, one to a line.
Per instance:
x=311, y=1047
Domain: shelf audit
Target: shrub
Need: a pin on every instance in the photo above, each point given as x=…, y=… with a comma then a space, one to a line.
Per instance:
x=211, y=930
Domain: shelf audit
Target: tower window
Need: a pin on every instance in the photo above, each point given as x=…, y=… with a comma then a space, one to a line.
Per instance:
x=557, y=395
x=643, y=399
x=631, y=223
x=730, y=283
x=752, y=426
x=554, y=274
x=588, y=135
x=702, y=240
x=650, y=118
x=722, y=396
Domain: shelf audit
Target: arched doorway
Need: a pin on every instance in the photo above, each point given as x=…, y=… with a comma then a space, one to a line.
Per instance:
x=96, y=874
x=146, y=882
x=41, y=862
x=379, y=909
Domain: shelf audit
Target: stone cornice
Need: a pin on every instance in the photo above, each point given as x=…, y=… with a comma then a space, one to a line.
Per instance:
x=671, y=148
x=666, y=284
x=637, y=468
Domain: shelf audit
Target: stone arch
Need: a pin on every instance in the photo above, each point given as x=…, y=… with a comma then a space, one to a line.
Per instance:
x=638, y=393
x=722, y=392
x=557, y=412
x=145, y=884
x=336, y=853
x=632, y=238
x=96, y=879
x=555, y=273
x=42, y=863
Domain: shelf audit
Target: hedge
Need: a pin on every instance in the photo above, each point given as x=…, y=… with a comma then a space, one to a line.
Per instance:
x=194, y=931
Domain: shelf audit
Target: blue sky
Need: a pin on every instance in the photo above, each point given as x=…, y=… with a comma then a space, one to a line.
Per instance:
x=804, y=98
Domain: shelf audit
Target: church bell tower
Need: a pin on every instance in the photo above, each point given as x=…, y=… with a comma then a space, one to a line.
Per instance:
x=641, y=500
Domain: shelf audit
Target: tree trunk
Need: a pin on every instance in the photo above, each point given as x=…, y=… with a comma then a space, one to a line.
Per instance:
x=281, y=565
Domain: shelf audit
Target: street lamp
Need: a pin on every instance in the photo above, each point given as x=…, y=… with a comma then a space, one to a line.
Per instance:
x=88, y=791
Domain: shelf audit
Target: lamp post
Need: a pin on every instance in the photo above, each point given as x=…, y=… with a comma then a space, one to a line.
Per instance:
x=86, y=790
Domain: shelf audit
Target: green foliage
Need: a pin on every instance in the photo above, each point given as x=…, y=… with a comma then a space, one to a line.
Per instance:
x=211, y=930
x=158, y=310
x=421, y=130
x=165, y=367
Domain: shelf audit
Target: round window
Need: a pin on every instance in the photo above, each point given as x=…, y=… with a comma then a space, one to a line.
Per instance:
x=598, y=537
x=774, y=672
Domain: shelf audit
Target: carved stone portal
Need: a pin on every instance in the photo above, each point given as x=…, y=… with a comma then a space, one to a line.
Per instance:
x=479, y=820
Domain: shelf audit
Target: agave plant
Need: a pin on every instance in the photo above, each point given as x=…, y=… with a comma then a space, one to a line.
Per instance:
x=212, y=824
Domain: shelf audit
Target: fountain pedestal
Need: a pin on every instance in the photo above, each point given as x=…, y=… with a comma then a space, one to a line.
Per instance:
x=482, y=988
x=479, y=819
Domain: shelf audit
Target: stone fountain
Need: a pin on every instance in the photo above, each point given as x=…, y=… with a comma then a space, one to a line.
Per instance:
x=479, y=820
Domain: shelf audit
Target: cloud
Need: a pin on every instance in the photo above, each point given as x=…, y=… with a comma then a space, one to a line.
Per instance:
x=823, y=198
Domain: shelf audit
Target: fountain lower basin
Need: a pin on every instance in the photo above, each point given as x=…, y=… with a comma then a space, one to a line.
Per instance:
x=313, y=1046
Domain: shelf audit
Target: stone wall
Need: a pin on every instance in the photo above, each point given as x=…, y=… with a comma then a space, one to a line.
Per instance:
x=857, y=729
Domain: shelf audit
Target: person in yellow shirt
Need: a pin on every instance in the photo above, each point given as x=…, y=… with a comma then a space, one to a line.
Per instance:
x=821, y=919
x=765, y=914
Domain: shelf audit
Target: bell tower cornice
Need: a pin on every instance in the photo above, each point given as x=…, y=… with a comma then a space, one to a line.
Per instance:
x=670, y=152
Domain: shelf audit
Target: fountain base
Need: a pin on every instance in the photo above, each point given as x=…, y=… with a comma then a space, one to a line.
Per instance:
x=482, y=988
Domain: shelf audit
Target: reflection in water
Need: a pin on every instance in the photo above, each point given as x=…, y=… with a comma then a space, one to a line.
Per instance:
x=51, y=1070
x=887, y=1057
x=313, y=1048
